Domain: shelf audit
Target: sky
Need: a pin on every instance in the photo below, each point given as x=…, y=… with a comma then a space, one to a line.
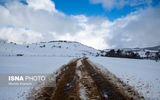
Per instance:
x=102, y=24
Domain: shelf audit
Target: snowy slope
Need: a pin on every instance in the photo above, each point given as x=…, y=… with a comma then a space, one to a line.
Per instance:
x=153, y=48
x=52, y=48
x=143, y=75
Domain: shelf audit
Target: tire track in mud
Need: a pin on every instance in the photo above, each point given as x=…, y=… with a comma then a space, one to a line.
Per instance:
x=106, y=90
x=79, y=80
x=87, y=87
x=67, y=86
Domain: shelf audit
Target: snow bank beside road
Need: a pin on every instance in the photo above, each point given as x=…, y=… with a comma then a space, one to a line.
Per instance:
x=26, y=65
x=143, y=75
x=31, y=64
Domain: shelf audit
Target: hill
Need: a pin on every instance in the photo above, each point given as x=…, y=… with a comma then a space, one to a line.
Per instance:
x=51, y=48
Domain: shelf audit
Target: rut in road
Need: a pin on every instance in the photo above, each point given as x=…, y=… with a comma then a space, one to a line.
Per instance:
x=107, y=90
x=67, y=88
x=79, y=80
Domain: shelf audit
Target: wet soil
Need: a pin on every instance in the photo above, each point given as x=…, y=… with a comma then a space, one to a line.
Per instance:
x=107, y=90
x=80, y=82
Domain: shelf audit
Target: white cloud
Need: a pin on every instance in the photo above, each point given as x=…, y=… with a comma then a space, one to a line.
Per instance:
x=47, y=5
x=19, y=35
x=92, y=35
x=21, y=23
x=138, y=29
x=110, y=4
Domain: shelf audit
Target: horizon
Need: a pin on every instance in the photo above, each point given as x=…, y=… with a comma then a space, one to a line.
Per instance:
x=76, y=42
x=79, y=49
x=96, y=23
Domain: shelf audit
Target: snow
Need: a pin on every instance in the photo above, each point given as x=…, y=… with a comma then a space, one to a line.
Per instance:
x=105, y=95
x=82, y=92
x=79, y=63
x=143, y=75
x=26, y=65
x=55, y=48
x=34, y=64
x=43, y=57
x=140, y=51
x=79, y=73
x=13, y=93
x=69, y=85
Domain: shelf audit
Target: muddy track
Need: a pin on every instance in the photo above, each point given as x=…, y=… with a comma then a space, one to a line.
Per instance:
x=63, y=89
x=66, y=87
x=106, y=89
x=79, y=80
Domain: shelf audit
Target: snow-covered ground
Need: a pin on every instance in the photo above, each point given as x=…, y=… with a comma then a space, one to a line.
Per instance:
x=52, y=48
x=47, y=57
x=31, y=64
x=143, y=75
x=26, y=64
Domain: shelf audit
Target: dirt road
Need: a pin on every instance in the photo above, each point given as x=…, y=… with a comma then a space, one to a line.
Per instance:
x=82, y=80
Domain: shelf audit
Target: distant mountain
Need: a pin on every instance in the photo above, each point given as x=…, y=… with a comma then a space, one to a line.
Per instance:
x=141, y=51
x=63, y=48
x=51, y=48
x=153, y=48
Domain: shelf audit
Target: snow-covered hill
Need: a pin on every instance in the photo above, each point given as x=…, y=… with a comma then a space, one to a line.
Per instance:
x=141, y=51
x=51, y=48
x=65, y=48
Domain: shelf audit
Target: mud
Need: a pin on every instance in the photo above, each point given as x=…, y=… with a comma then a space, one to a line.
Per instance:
x=107, y=90
x=66, y=88
x=80, y=82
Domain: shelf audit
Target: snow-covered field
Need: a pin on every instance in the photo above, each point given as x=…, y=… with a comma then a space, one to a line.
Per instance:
x=26, y=64
x=47, y=57
x=31, y=64
x=143, y=75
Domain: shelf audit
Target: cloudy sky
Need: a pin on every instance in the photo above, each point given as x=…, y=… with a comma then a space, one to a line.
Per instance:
x=97, y=23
